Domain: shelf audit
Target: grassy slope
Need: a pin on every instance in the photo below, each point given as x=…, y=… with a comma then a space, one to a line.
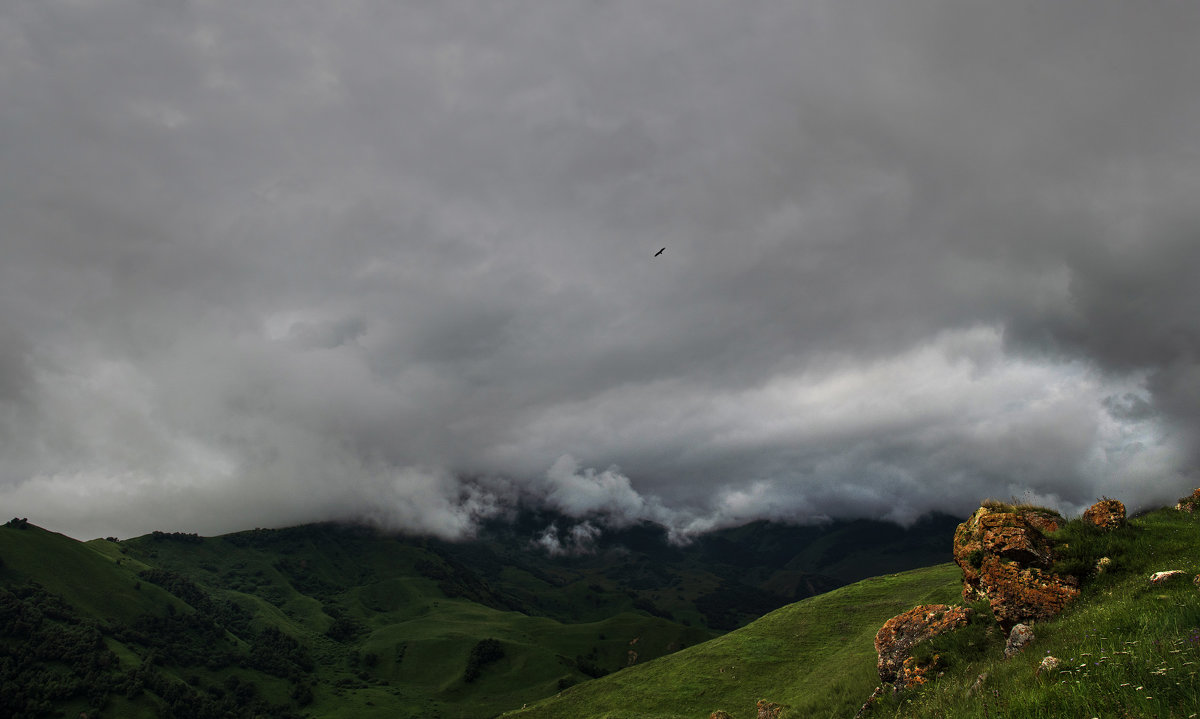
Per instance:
x=1130, y=649
x=813, y=656
x=101, y=583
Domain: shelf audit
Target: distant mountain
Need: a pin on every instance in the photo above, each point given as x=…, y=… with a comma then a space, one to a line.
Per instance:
x=724, y=578
x=340, y=620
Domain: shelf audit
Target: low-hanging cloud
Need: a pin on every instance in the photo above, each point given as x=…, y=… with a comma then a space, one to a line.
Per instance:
x=275, y=263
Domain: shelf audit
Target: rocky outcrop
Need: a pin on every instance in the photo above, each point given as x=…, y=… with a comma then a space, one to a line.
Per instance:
x=1190, y=503
x=720, y=714
x=768, y=710
x=895, y=640
x=1106, y=514
x=1005, y=532
x=1005, y=557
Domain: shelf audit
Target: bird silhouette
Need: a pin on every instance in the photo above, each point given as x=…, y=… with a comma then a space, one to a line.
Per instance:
x=656, y=254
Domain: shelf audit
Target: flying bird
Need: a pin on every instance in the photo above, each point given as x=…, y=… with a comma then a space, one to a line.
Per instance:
x=656, y=254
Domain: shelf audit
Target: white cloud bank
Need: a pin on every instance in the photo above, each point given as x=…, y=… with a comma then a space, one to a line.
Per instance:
x=275, y=262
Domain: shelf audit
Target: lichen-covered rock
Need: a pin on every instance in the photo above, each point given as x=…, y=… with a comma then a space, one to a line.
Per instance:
x=768, y=710
x=1018, y=638
x=1106, y=514
x=1005, y=557
x=896, y=638
x=1024, y=595
x=1102, y=565
x=1190, y=503
x=1043, y=520
x=720, y=714
x=1013, y=534
x=914, y=672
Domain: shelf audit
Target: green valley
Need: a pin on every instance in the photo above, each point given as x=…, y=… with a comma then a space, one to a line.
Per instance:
x=336, y=620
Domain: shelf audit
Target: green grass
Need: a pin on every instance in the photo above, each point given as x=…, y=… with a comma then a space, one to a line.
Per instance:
x=816, y=657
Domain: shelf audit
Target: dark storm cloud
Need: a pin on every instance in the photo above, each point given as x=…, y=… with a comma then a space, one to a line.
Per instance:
x=279, y=262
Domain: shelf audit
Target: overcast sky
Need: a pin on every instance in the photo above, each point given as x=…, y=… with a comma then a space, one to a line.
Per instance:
x=271, y=262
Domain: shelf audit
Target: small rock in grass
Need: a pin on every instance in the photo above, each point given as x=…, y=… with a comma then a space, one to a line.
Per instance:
x=720, y=714
x=1160, y=577
x=979, y=680
x=1021, y=635
x=870, y=702
x=1049, y=664
x=768, y=710
x=1103, y=564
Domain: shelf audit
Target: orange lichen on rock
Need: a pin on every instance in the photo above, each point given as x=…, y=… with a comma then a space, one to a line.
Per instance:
x=997, y=530
x=896, y=638
x=1106, y=514
x=1022, y=595
x=913, y=672
x=1005, y=557
x=768, y=710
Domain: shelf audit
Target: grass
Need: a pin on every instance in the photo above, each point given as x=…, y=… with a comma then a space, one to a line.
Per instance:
x=815, y=657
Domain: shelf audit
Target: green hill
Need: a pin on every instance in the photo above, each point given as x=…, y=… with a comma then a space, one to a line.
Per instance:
x=1128, y=648
x=317, y=620
x=333, y=620
x=341, y=621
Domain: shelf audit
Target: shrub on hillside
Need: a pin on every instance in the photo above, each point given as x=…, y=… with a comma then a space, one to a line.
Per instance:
x=343, y=629
x=485, y=652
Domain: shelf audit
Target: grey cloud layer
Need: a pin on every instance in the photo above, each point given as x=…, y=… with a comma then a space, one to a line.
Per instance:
x=278, y=262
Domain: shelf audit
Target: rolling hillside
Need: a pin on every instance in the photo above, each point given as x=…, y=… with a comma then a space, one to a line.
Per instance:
x=331, y=620
x=1128, y=648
